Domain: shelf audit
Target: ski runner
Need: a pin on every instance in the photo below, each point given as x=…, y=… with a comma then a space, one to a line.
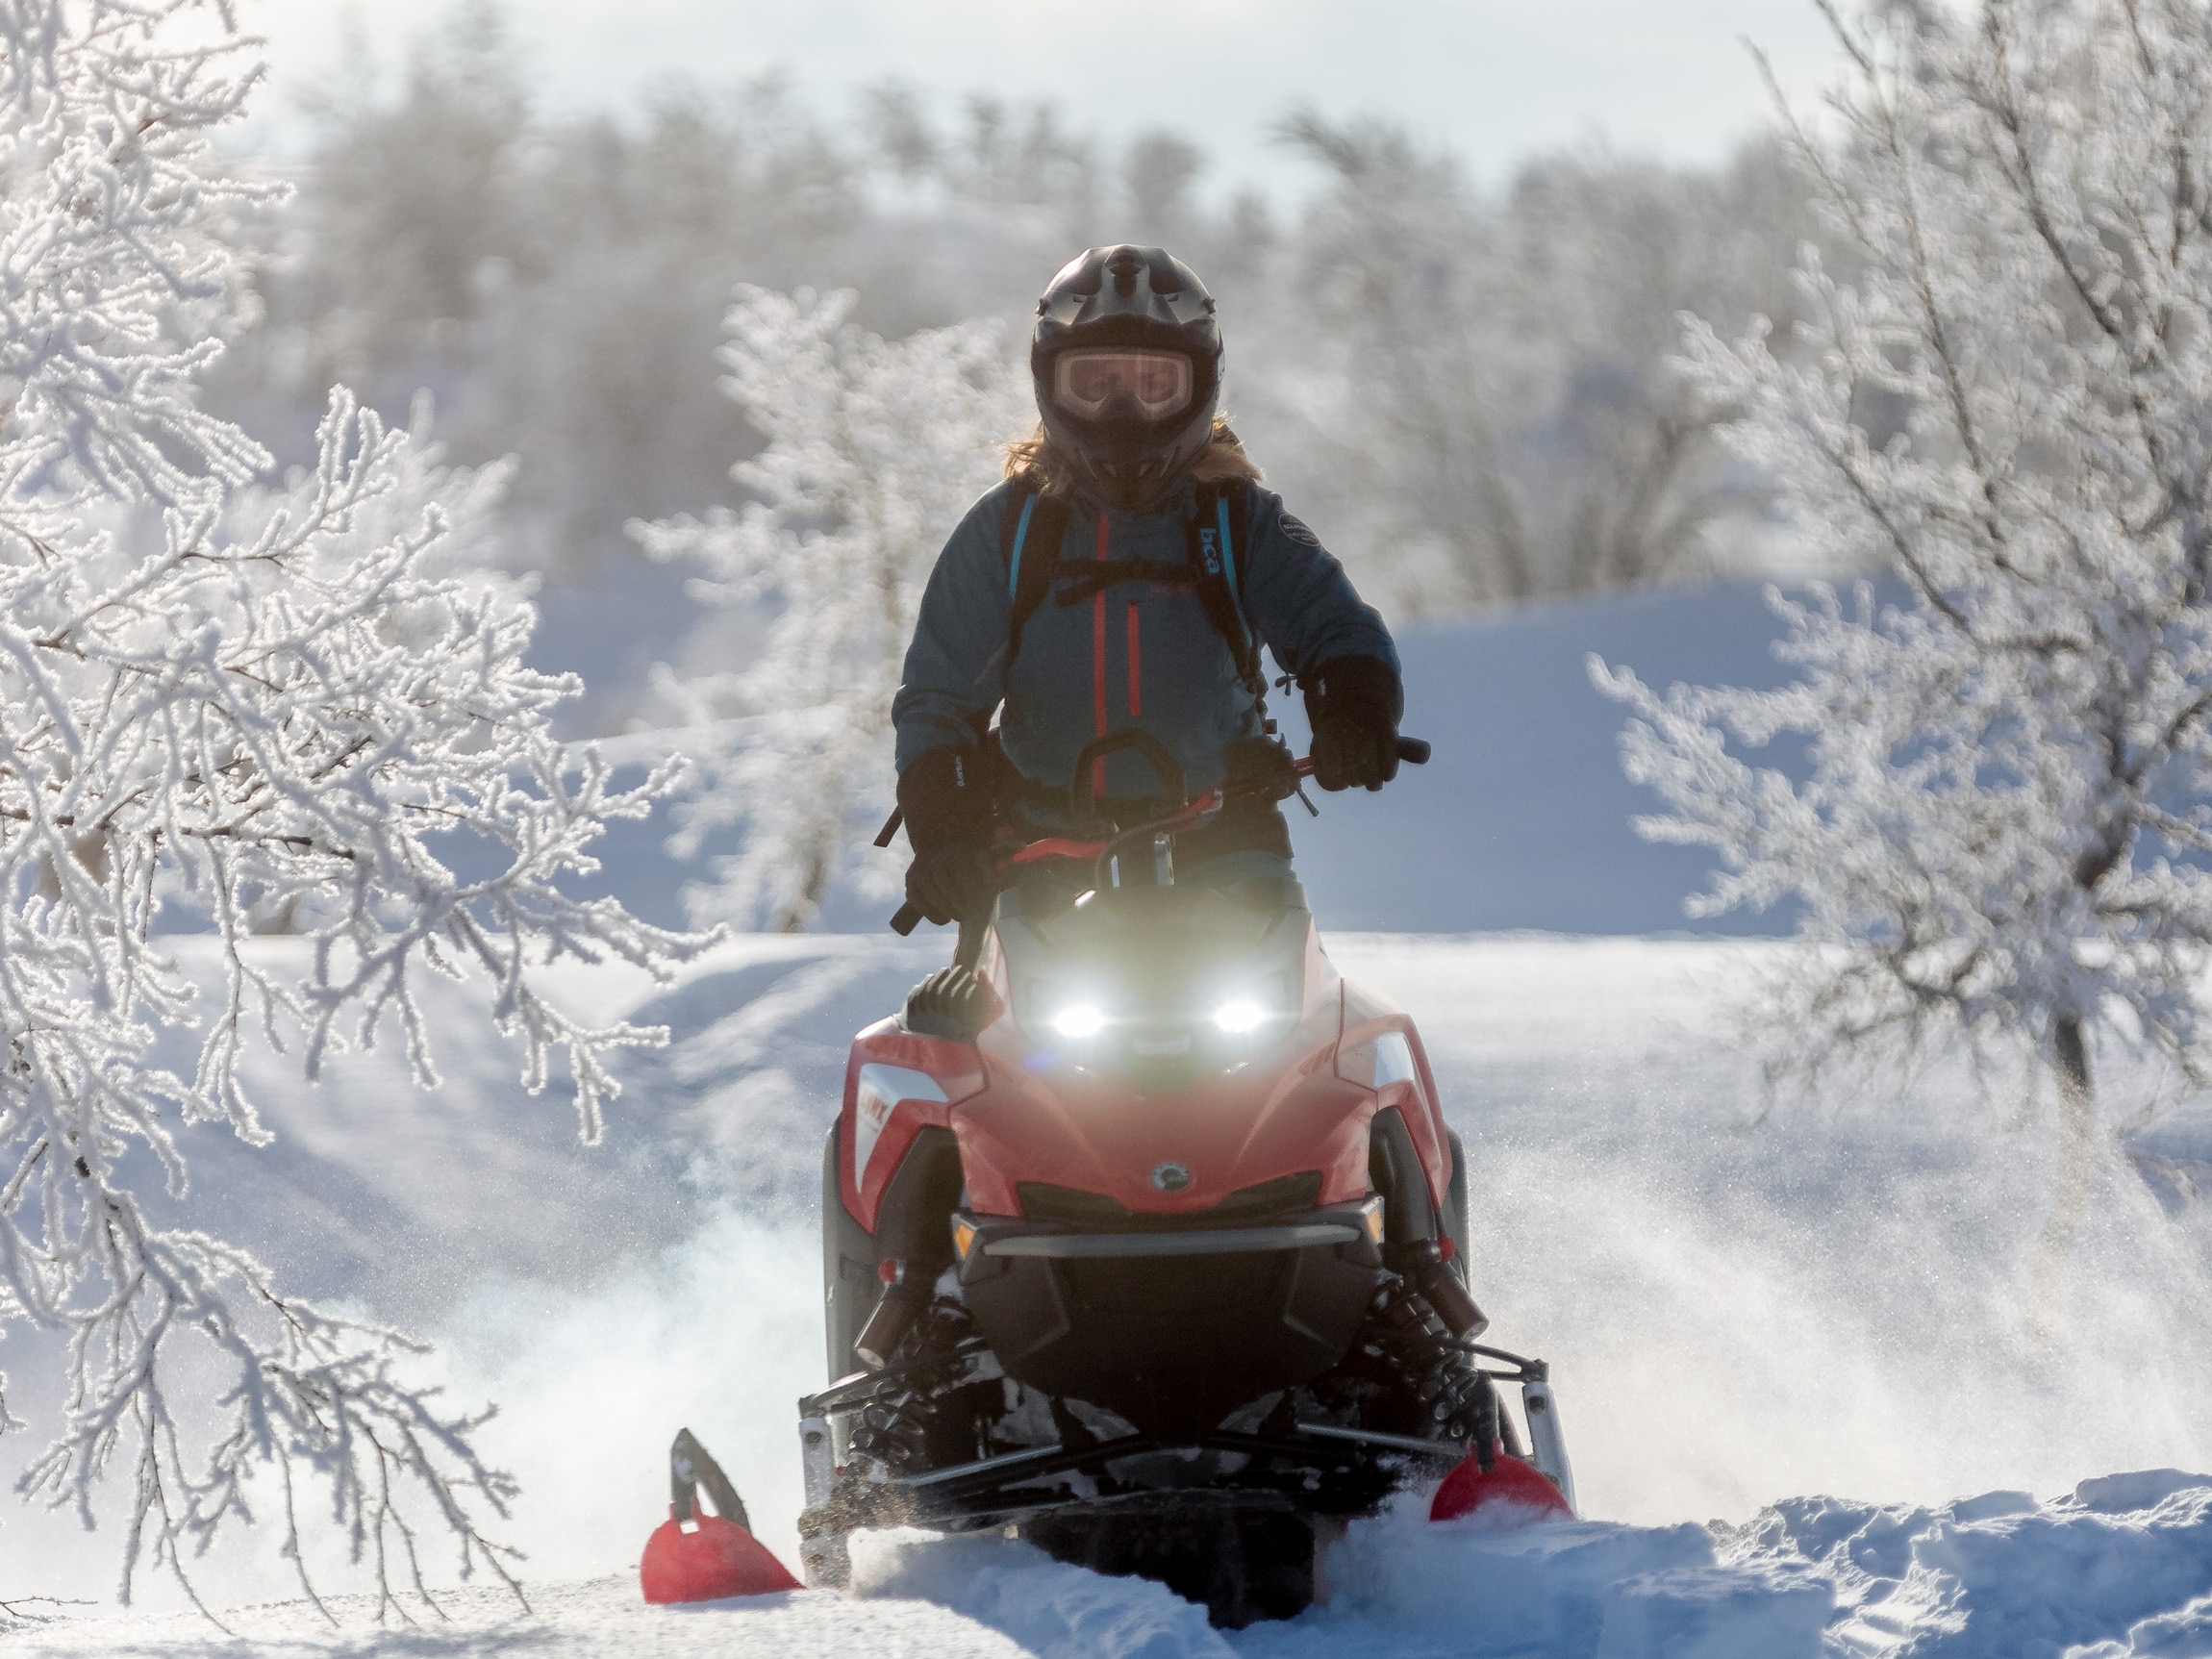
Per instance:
x=1121, y=579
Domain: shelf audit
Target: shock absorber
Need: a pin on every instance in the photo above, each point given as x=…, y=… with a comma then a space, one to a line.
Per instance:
x=896, y=1428
x=1454, y=1398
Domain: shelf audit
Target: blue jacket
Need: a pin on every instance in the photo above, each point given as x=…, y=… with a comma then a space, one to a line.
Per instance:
x=1138, y=654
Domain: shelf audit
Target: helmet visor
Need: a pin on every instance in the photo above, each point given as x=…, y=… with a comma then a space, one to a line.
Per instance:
x=1084, y=382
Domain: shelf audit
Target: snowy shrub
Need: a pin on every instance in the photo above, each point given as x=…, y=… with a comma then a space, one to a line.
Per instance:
x=283, y=708
x=2006, y=824
x=875, y=449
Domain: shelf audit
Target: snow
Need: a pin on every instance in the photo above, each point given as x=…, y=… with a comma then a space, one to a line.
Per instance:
x=2123, y=1567
x=1742, y=1300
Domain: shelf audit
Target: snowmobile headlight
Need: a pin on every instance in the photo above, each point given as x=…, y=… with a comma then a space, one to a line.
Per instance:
x=1240, y=1016
x=1079, y=1020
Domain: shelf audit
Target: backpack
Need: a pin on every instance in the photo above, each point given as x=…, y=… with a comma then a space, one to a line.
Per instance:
x=1029, y=537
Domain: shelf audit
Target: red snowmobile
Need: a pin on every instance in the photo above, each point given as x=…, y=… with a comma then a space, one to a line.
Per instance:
x=1143, y=1237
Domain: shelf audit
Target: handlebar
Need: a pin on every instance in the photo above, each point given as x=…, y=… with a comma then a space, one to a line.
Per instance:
x=1413, y=751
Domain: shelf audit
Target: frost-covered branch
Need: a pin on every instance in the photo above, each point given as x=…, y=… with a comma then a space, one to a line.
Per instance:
x=287, y=707
x=2002, y=823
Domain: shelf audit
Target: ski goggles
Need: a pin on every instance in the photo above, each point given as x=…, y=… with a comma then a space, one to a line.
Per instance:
x=1085, y=382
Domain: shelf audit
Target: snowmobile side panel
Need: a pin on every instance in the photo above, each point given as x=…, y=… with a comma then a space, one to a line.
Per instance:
x=896, y=1083
x=1380, y=1049
x=1394, y=1170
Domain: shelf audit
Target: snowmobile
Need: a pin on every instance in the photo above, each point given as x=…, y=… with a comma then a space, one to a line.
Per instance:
x=1145, y=1240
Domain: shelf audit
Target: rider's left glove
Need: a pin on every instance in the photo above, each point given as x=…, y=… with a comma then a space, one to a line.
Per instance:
x=947, y=799
x=1354, y=704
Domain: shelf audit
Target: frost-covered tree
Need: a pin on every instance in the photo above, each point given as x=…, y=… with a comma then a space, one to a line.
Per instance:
x=1487, y=405
x=875, y=449
x=2006, y=821
x=274, y=705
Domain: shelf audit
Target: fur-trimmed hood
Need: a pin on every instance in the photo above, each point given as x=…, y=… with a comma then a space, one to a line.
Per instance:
x=1035, y=463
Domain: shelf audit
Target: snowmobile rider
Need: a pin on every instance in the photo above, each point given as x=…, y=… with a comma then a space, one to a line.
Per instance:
x=1121, y=578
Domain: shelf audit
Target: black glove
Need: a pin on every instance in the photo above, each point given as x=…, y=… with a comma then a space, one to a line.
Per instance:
x=1259, y=766
x=947, y=803
x=953, y=882
x=1354, y=704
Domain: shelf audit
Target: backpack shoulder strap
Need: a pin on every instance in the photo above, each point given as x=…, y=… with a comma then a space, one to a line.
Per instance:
x=1221, y=555
x=1029, y=537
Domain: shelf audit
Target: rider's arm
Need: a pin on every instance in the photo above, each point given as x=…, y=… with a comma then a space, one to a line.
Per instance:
x=956, y=666
x=1302, y=603
x=1299, y=599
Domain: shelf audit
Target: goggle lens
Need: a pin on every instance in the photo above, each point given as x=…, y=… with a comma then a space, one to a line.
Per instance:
x=1085, y=382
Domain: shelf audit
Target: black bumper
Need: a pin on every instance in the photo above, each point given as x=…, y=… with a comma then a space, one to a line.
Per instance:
x=1171, y=1330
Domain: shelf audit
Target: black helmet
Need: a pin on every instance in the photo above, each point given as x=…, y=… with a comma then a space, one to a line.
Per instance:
x=1115, y=331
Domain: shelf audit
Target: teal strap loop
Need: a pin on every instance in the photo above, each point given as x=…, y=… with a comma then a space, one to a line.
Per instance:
x=1022, y=535
x=1229, y=562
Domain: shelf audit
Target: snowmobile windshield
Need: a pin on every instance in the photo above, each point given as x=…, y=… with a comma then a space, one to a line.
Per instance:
x=1158, y=383
x=1158, y=982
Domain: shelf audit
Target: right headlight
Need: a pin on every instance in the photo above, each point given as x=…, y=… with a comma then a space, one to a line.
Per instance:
x=1079, y=1020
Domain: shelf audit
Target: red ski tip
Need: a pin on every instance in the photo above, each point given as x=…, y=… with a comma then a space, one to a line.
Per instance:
x=693, y=1556
x=1467, y=1489
x=717, y=1559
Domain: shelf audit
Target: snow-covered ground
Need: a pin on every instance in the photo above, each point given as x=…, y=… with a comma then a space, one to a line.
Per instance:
x=1816, y=1400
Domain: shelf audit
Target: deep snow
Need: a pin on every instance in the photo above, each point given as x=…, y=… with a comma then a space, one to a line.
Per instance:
x=2121, y=1568
x=1836, y=1300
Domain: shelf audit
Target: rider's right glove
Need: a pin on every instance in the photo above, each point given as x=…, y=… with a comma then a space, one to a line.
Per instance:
x=1354, y=704
x=948, y=822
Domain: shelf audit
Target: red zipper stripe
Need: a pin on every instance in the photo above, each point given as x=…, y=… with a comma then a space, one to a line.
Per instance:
x=1136, y=706
x=1098, y=668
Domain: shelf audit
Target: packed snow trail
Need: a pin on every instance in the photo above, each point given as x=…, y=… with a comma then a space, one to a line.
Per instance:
x=1834, y=1301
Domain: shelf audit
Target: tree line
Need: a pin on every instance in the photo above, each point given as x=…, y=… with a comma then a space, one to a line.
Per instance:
x=1468, y=388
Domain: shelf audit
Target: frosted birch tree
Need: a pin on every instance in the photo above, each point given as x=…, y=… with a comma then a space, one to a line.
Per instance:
x=244, y=699
x=2006, y=824
x=875, y=449
x=1481, y=385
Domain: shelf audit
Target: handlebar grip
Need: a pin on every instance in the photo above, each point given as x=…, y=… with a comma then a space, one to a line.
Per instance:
x=908, y=919
x=1414, y=751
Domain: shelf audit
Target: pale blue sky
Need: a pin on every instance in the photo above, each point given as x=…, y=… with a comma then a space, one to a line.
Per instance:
x=1492, y=78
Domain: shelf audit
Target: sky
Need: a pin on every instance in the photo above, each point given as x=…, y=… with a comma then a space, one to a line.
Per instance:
x=1492, y=78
